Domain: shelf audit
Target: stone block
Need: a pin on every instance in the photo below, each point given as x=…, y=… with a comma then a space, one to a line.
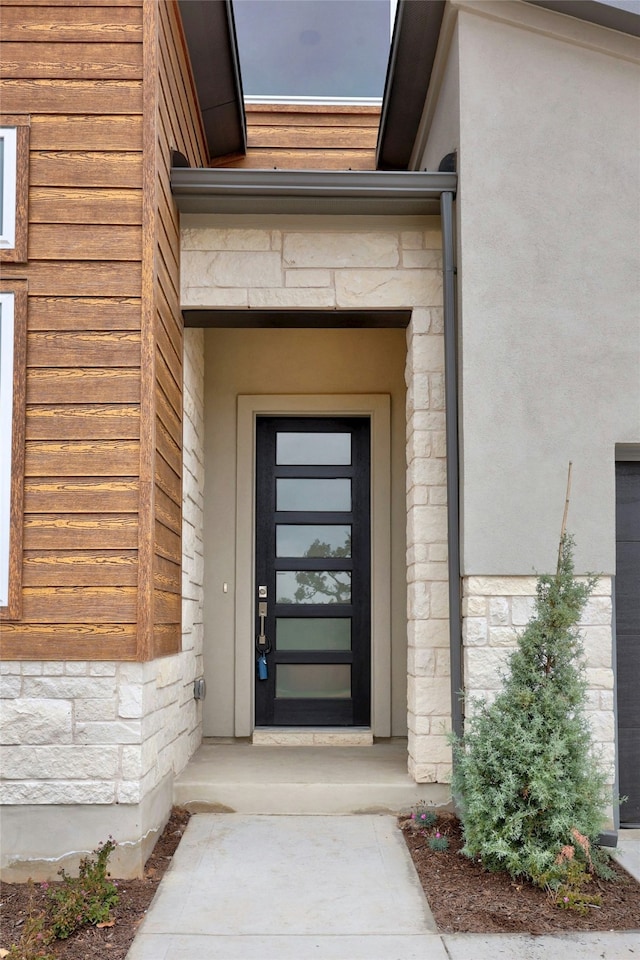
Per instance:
x=96, y=709
x=443, y=663
x=474, y=607
x=411, y=239
x=71, y=688
x=597, y=611
x=307, y=278
x=438, y=443
x=437, y=391
x=56, y=791
x=31, y=669
x=423, y=772
x=433, y=237
x=428, y=696
x=102, y=669
x=75, y=668
x=420, y=322
x=130, y=701
x=13, y=668
x=418, y=444
x=128, y=792
x=23, y=722
x=117, y=731
x=10, y=687
x=418, y=601
x=193, y=295
x=59, y=762
x=422, y=259
x=439, y=597
x=426, y=471
x=276, y=240
x=388, y=288
x=500, y=586
x=602, y=726
x=431, y=749
x=428, y=633
x=503, y=636
x=215, y=238
x=599, y=678
x=427, y=523
x=335, y=250
x=292, y=297
x=420, y=726
x=499, y=610
x=598, y=645
x=522, y=610
x=475, y=632
x=427, y=354
x=484, y=667
x=421, y=661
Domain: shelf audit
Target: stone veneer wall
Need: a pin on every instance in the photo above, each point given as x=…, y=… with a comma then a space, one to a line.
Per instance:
x=495, y=609
x=363, y=264
x=106, y=737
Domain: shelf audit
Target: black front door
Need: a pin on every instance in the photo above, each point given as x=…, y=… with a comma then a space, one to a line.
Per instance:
x=313, y=619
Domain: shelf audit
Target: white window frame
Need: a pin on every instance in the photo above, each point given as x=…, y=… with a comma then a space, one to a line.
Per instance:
x=9, y=135
x=7, y=329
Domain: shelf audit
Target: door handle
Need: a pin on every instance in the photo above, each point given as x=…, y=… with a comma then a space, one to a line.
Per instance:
x=262, y=614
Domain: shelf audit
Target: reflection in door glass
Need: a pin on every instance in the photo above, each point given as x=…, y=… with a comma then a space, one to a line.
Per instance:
x=313, y=633
x=313, y=449
x=294, y=680
x=313, y=540
x=313, y=586
x=315, y=494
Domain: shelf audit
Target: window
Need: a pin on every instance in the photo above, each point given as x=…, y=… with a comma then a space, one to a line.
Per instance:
x=13, y=307
x=14, y=187
x=313, y=50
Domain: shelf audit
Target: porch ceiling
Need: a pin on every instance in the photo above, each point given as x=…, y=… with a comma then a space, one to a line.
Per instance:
x=370, y=192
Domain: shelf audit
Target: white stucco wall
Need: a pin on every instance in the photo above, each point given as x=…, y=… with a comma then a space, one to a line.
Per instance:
x=549, y=280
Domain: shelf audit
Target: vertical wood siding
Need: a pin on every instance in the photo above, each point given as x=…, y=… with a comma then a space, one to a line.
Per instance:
x=102, y=511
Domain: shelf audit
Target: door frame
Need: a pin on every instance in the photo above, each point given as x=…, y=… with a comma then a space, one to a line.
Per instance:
x=378, y=408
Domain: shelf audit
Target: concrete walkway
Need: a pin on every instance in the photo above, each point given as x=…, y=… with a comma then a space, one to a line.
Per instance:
x=321, y=887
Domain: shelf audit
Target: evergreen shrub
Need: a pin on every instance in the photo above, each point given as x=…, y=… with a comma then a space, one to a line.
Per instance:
x=526, y=777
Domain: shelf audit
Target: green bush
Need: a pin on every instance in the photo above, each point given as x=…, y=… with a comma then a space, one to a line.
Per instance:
x=525, y=774
x=85, y=899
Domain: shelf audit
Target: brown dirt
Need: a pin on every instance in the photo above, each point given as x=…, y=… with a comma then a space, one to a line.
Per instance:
x=111, y=943
x=465, y=898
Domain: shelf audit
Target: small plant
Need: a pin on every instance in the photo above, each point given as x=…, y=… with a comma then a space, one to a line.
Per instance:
x=438, y=843
x=423, y=820
x=85, y=899
x=423, y=817
x=566, y=881
x=35, y=937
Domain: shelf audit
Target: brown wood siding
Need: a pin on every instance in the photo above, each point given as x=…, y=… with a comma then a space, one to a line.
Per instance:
x=77, y=70
x=178, y=127
x=106, y=85
x=296, y=137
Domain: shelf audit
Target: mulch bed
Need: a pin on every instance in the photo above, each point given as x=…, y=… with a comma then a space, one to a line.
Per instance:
x=92, y=943
x=465, y=898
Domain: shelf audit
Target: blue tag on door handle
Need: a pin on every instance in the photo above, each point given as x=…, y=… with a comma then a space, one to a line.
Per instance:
x=262, y=667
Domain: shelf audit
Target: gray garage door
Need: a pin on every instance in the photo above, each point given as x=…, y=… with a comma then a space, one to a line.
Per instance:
x=628, y=636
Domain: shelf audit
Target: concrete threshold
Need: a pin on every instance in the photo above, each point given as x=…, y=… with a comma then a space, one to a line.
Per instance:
x=312, y=737
x=244, y=778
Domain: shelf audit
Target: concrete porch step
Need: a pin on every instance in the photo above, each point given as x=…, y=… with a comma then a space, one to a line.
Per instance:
x=312, y=737
x=239, y=777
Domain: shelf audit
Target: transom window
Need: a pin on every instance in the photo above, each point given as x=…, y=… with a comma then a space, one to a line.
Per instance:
x=313, y=50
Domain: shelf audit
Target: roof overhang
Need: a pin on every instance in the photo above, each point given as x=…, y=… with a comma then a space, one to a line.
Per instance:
x=370, y=192
x=413, y=50
x=211, y=41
